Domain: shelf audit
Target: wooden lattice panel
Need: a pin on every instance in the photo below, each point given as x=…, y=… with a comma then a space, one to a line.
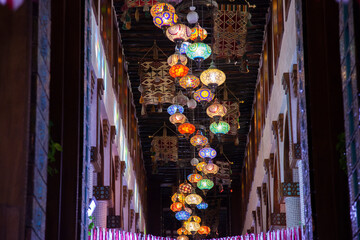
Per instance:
x=165, y=148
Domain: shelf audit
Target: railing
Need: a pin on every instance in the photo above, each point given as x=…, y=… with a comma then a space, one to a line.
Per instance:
x=116, y=234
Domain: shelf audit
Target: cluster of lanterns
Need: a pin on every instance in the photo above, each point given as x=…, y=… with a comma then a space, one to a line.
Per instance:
x=186, y=201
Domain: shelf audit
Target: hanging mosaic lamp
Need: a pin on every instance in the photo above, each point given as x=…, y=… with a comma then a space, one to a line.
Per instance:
x=212, y=77
x=189, y=82
x=178, y=33
x=188, y=210
x=204, y=230
x=198, y=140
x=172, y=109
x=203, y=95
x=174, y=59
x=186, y=129
x=182, y=216
x=192, y=226
x=198, y=52
x=165, y=20
x=176, y=206
x=178, y=197
x=194, y=178
x=183, y=231
x=200, y=166
x=177, y=118
x=198, y=32
x=216, y=111
x=184, y=46
x=193, y=199
x=207, y=152
x=210, y=168
x=194, y=219
x=182, y=237
x=178, y=70
x=205, y=184
x=185, y=188
x=161, y=7
x=192, y=17
x=194, y=161
x=202, y=206
x=220, y=128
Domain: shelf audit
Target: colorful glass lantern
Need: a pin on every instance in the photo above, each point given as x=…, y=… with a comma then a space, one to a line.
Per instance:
x=205, y=184
x=192, y=227
x=178, y=70
x=165, y=19
x=174, y=59
x=216, y=110
x=198, y=31
x=178, y=197
x=207, y=152
x=184, y=46
x=199, y=140
x=193, y=199
x=188, y=210
x=182, y=216
x=220, y=128
x=210, y=168
x=200, y=166
x=178, y=33
x=176, y=206
x=194, y=178
x=182, y=237
x=193, y=219
x=182, y=231
x=204, y=230
x=186, y=129
x=198, y=52
x=202, y=206
x=172, y=109
x=177, y=118
x=185, y=188
x=189, y=82
x=212, y=77
x=161, y=7
x=194, y=161
x=203, y=95
x=180, y=99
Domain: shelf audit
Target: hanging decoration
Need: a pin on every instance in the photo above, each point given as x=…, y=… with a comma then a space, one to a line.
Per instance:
x=177, y=118
x=172, y=109
x=178, y=197
x=191, y=103
x=198, y=32
x=192, y=17
x=182, y=216
x=200, y=166
x=182, y=237
x=216, y=111
x=186, y=129
x=184, y=46
x=223, y=175
x=180, y=99
x=202, y=206
x=232, y=116
x=193, y=199
x=220, y=128
x=157, y=85
x=178, y=70
x=178, y=33
x=161, y=7
x=204, y=230
x=198, y=140
x=203, y=95
x=210, y=168
x=185, y=188
x=194, y=178
x=194, y=161
x=141, y=3
x=183, y=231
x=192, y=226
x=207, y=152
x=212, y=77
x=189, y=82
x=176, y=206
x=205, y=184
x=165, y=19
x=174, y=59
x=198, y=52
x=230, y=30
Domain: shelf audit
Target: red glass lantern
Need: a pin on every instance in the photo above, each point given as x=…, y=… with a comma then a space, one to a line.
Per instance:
x=176, y=206
x=186, y=129
x=178, y=70
x=204, y=230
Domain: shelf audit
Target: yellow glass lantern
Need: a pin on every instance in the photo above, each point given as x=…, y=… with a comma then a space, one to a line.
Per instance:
x=200, y=166
x=216, y=111
x=210, y=168
x=173, y=59
x=178, y=70
x=192, y=227
x=178, y=197
x=177, y=118
x=182, y=237
x=193, y=199
x=189, y=82
x=212, y=77
x=182, y=231
x=160, y=7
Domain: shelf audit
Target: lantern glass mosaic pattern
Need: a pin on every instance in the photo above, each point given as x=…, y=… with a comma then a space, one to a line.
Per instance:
x=207, y=152
x=178, y=197
x=177, y=118
x=193, y=199
x=220, y=128
x=160, y=7
x=178, y=70
x=182, y=216
x=176, y=206
x=174, y=59
x=198, y=32
x=202, y=206
x=205, y=184
x=203, y=95
x=194, y=178
x=185, y=188
x=216, y=110
x=198, y=50
x=199, y=140
x=200, y=166
x=178, y=32
x=165, y=19
x=173, y=108
x=186, y=128
x=189, y=81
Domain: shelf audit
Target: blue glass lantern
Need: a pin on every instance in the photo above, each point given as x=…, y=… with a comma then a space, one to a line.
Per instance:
x=184, y=47
x=198, y=52
x=182, y=216
x=202, y=206
x=203, y=95
x=207, y=152
x=173, y=108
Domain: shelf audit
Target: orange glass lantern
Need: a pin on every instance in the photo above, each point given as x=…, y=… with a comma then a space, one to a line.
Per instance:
x=198, y=140
x=186, y=129
x=182, y=237
x=178, y=70
x=198, y=31
x=182, y=231
x=161, y=7
x=204, y=230
x=176, y=206
x=178, y=197
x=189, y=82
x=194, y=178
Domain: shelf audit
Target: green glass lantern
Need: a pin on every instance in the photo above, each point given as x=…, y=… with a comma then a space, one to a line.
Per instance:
x=220, y=128
x=205, y=184
x=198, y=52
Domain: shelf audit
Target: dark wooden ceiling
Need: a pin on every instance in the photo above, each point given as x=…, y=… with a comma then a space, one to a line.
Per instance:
x=140, y=38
